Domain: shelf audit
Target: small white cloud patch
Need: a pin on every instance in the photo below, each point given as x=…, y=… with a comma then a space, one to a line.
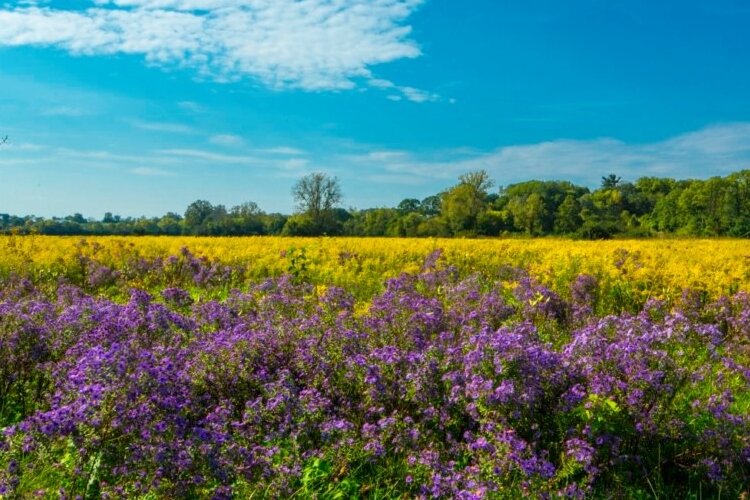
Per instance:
x=226, y=140
x=151, y=172
x=166, y=127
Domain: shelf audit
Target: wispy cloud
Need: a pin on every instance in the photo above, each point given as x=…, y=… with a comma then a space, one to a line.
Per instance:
x=226, y=140
x=27, y=94
x=312, y=45
x=151, y=172
x=418, y=95
x=295, y=165
x=210, y=156
x=171, y=128
x=400, y=92
x=191, y=106
x=715, y=150
x=283, y=150
x=67, y=111
x=24, y=146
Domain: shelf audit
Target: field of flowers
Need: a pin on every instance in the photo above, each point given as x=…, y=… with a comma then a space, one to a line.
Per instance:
x=373, y=368
x=629, y=272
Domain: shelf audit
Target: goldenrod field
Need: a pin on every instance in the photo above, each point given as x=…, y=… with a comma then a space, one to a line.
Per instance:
x=638, y=270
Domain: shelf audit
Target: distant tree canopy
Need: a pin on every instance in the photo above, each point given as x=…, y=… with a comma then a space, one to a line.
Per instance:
x=649, y=206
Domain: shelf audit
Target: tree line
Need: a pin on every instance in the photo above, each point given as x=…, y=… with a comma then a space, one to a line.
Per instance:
x=650, y=206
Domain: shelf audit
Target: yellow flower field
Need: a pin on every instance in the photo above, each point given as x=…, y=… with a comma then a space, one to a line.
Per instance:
x=639, y=269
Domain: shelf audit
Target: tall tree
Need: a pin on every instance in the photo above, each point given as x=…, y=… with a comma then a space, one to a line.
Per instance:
x=568, y=216
x=316, y=193
x=409, y=205
x=610, y=182
x=197, y=213
x=479, y=180
x=461, y=207
x=431, y=205
x=464, y=202
x=528, y=214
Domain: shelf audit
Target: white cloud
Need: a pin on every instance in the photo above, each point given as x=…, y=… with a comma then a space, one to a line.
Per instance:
x=417, y=95
x=210, y=156
x=714, y=150
x=171, y=128
x=192, y=107
x=293, y=164
x=283, y=150
x=25, y=146
x=410, y=93
x=379, y=83
x=151, y=172
x=384, y=156
x=18, y=162
x=310, y=44
x=226, y=140
x=68, y=111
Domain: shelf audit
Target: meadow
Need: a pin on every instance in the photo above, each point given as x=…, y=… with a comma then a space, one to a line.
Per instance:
x=269, y=367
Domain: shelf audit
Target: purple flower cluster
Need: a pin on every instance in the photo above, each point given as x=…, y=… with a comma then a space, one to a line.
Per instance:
x=440, y=386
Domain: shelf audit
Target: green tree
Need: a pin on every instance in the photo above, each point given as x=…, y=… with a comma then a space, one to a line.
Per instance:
x=408, y=225
x=610, y=182
x=461, y=207
x=528, y=214
x=170, y=224
x=203, y=218
x=568, y=216
x=601, y=213
x=274, y=223
x=373, y=222
x=514, y=197
x=492, y=223
x=77, y=218
x=246, y=218
x=430, y=206
x=316, y=193
x=316, y=196
x=737, y=204
x=479, y=180
x=409, y=205
x=702, y=206
x=196, y=214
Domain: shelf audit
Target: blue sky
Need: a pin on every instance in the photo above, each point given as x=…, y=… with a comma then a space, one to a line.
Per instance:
x=139, y=107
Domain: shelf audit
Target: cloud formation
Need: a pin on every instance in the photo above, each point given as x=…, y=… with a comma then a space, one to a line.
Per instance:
x=310, y=44
x=228, y=140
x=715, y=150
x=166, y=127
x=400, y=92
x=151, y=172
